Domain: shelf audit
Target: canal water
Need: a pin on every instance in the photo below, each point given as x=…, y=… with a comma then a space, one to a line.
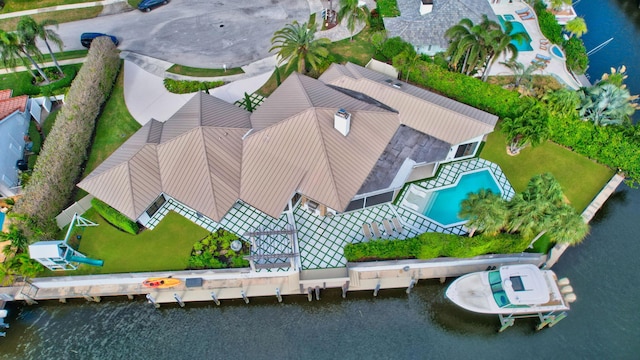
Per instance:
x=603, y=324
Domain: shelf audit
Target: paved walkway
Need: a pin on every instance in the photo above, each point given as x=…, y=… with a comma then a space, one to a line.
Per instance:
x=60, y=8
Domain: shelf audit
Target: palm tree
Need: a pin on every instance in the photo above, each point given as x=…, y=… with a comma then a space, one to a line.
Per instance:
x=19, y=242
x=521, y=74
x=295, y=43
x=465, y=46
x=26, y=266
x=405, y=62
x=486, y=212
x=34, y=30
x=568, y=226
x=606, y=104
x=14, y=46
x=532, y=127
x=576, y=26
x=354, y=13
x=500, y=43
x=562, y=102
x=7, y=272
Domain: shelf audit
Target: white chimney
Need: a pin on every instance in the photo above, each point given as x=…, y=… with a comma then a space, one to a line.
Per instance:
x=342, y=121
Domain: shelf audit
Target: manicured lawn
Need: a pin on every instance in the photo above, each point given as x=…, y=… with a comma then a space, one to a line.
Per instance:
x=359, y=51
x=581, y=178
x=167, y=247
x=20, y=5
x=59, y=16
x=200, y=72
x=114, y=126
x=388, y=8
x=46, y=57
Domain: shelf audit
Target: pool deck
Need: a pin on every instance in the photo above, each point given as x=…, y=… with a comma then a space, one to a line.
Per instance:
x=556, y=67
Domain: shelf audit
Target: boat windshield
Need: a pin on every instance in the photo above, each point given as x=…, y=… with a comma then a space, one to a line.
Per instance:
x=499, y=295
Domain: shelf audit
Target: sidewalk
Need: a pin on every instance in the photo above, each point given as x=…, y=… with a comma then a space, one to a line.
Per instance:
x=59, y=8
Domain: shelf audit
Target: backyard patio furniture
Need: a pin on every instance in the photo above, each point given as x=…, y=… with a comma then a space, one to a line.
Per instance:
x=544, y=58
x=376, y=230
x=527, y=17
x=397, y=225
x=387, y=227
x=522, y=11
x=366, y=231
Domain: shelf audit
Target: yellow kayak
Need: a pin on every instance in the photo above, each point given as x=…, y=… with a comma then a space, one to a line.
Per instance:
x=160, y=283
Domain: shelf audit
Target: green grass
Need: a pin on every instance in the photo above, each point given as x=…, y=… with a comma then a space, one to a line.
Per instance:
x=74, y=54
x=359, y=51
x=581, y=178
x=114, y=126
x=59, y=16
x=49, y=121
x=388, y=8
x=21, y=82
x=167, y=247
x=200, y=72
x=20, y=5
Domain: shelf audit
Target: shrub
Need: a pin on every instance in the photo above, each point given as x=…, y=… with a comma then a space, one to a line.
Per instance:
x=65, y=150
x=22, y=83
x=114, y=217
x=375, y=20
x=576, y=53
x=433, y=245
x=394, y=46
x=388, y=8
x=548, y=24
x=186, y=86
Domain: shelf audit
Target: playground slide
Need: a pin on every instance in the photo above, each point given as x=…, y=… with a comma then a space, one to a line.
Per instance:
x=88, y=261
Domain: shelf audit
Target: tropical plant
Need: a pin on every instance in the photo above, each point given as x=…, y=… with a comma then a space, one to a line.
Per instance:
x=486, y=212
x=500, y=43
x=393, y=47
x=378, y=38
x=354, y=13
x=19, y=242
x=33, y=29
x=616, y=77
x=559, y=4
x=295, y=44
x=531, y=127
x=606, y=104
x=565, y=225
x=521, y=74
x=576, y=27
x=8, y=272
x=14, y=46
x=576, y=54
x=25, y=266
x=562, y=102
x=406, y=61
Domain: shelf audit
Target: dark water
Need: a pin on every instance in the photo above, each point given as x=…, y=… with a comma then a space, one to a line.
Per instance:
x=603, y=324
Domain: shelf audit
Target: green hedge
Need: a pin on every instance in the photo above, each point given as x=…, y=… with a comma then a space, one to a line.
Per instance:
x=548, y=23
x=434, y=245
x=388, y=8
x=22, y=82
x=576, y=53
x=186, y=86
x=65, y=150
x=114, y=217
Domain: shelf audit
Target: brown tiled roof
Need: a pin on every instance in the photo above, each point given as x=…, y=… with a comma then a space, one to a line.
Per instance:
x=200, y=165
x=8, y=104
x=427, y=112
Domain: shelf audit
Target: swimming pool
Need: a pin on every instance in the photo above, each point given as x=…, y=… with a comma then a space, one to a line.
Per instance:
x=517, y=28
x=1, y=220
x=555, y=50
x=444, y=204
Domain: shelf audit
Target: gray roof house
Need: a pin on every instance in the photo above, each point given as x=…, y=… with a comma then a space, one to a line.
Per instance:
x=350, y=139
x=426, y=32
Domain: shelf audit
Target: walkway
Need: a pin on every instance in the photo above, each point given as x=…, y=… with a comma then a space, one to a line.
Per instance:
x=60, y=8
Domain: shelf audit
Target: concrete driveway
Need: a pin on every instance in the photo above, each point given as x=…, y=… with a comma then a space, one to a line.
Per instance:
x=199, y=33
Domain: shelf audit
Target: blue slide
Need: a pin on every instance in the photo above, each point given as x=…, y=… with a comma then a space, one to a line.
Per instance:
x=85, y=260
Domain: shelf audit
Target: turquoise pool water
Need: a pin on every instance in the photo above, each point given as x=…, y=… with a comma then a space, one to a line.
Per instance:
x=518, y=28
x=555, y=50
x=444, y=204
x=1, y=220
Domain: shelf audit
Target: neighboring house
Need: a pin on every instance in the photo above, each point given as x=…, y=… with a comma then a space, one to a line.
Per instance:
x=348, y=140
x=424, y=22
x=14, y=126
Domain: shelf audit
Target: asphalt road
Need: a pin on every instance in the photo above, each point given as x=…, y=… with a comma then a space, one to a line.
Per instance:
x=199, y=33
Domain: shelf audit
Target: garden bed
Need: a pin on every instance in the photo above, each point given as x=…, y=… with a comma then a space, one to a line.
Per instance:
x=216, y=251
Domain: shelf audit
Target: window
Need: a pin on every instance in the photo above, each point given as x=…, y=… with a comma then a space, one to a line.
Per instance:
x=466, y=149
x=156, y=205
x=380, y=199
x=355, y=205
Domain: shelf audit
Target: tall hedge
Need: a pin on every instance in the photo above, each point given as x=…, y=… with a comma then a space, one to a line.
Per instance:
x=114, y=217
x=65, y=150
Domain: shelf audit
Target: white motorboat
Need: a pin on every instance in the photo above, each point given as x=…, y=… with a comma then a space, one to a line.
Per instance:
x=513, y=290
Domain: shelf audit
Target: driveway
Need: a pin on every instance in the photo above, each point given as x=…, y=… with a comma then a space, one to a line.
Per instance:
x=198, y=33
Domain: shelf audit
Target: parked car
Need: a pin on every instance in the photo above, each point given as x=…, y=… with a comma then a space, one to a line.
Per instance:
x=87, y=38
x=147, y=5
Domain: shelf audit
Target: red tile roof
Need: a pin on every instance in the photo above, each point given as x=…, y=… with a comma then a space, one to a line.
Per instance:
x=10, y=104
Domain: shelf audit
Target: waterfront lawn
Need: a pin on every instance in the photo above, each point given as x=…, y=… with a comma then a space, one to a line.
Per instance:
x=114, y=126
x=581, y=178
x=167, y=247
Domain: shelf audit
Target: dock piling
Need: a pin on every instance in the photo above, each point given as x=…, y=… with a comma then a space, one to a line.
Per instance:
x=215, y=298
x=317, y=292
x=375, y=291
x=62, y=300
x=345, y=288
x=278, y=295
x=310, y=293
x=178, y=299
x=129, y=296
x=412, y=283
x=152, y=301
x=244, y=296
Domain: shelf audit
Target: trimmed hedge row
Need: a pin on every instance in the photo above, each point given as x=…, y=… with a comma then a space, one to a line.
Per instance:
x=434, y=245
x=65, y=150
x=186, y=86
x=114, y=217
x=614, y=146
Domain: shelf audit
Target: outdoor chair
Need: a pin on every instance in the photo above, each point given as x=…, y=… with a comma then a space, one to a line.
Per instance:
x=376, y=230
x=527, y=17
x=544, y=58
x=387, y=227
x=366, y=231
x=522, y=11
x=397, y=225
x=417, y=192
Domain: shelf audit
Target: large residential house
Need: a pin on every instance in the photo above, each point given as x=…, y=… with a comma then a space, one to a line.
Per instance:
x=349, y=140
x=14, y=126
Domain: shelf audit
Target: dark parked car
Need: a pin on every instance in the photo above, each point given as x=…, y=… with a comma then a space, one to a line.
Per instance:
x=147, y=5
x=87, y=38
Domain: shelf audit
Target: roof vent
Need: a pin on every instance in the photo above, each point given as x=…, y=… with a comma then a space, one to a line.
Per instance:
x=388, y=81
x=342, y=121
x=397, y=85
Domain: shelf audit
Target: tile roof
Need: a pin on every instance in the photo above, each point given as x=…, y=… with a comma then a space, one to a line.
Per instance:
x=429, y=29
x=8, y=104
